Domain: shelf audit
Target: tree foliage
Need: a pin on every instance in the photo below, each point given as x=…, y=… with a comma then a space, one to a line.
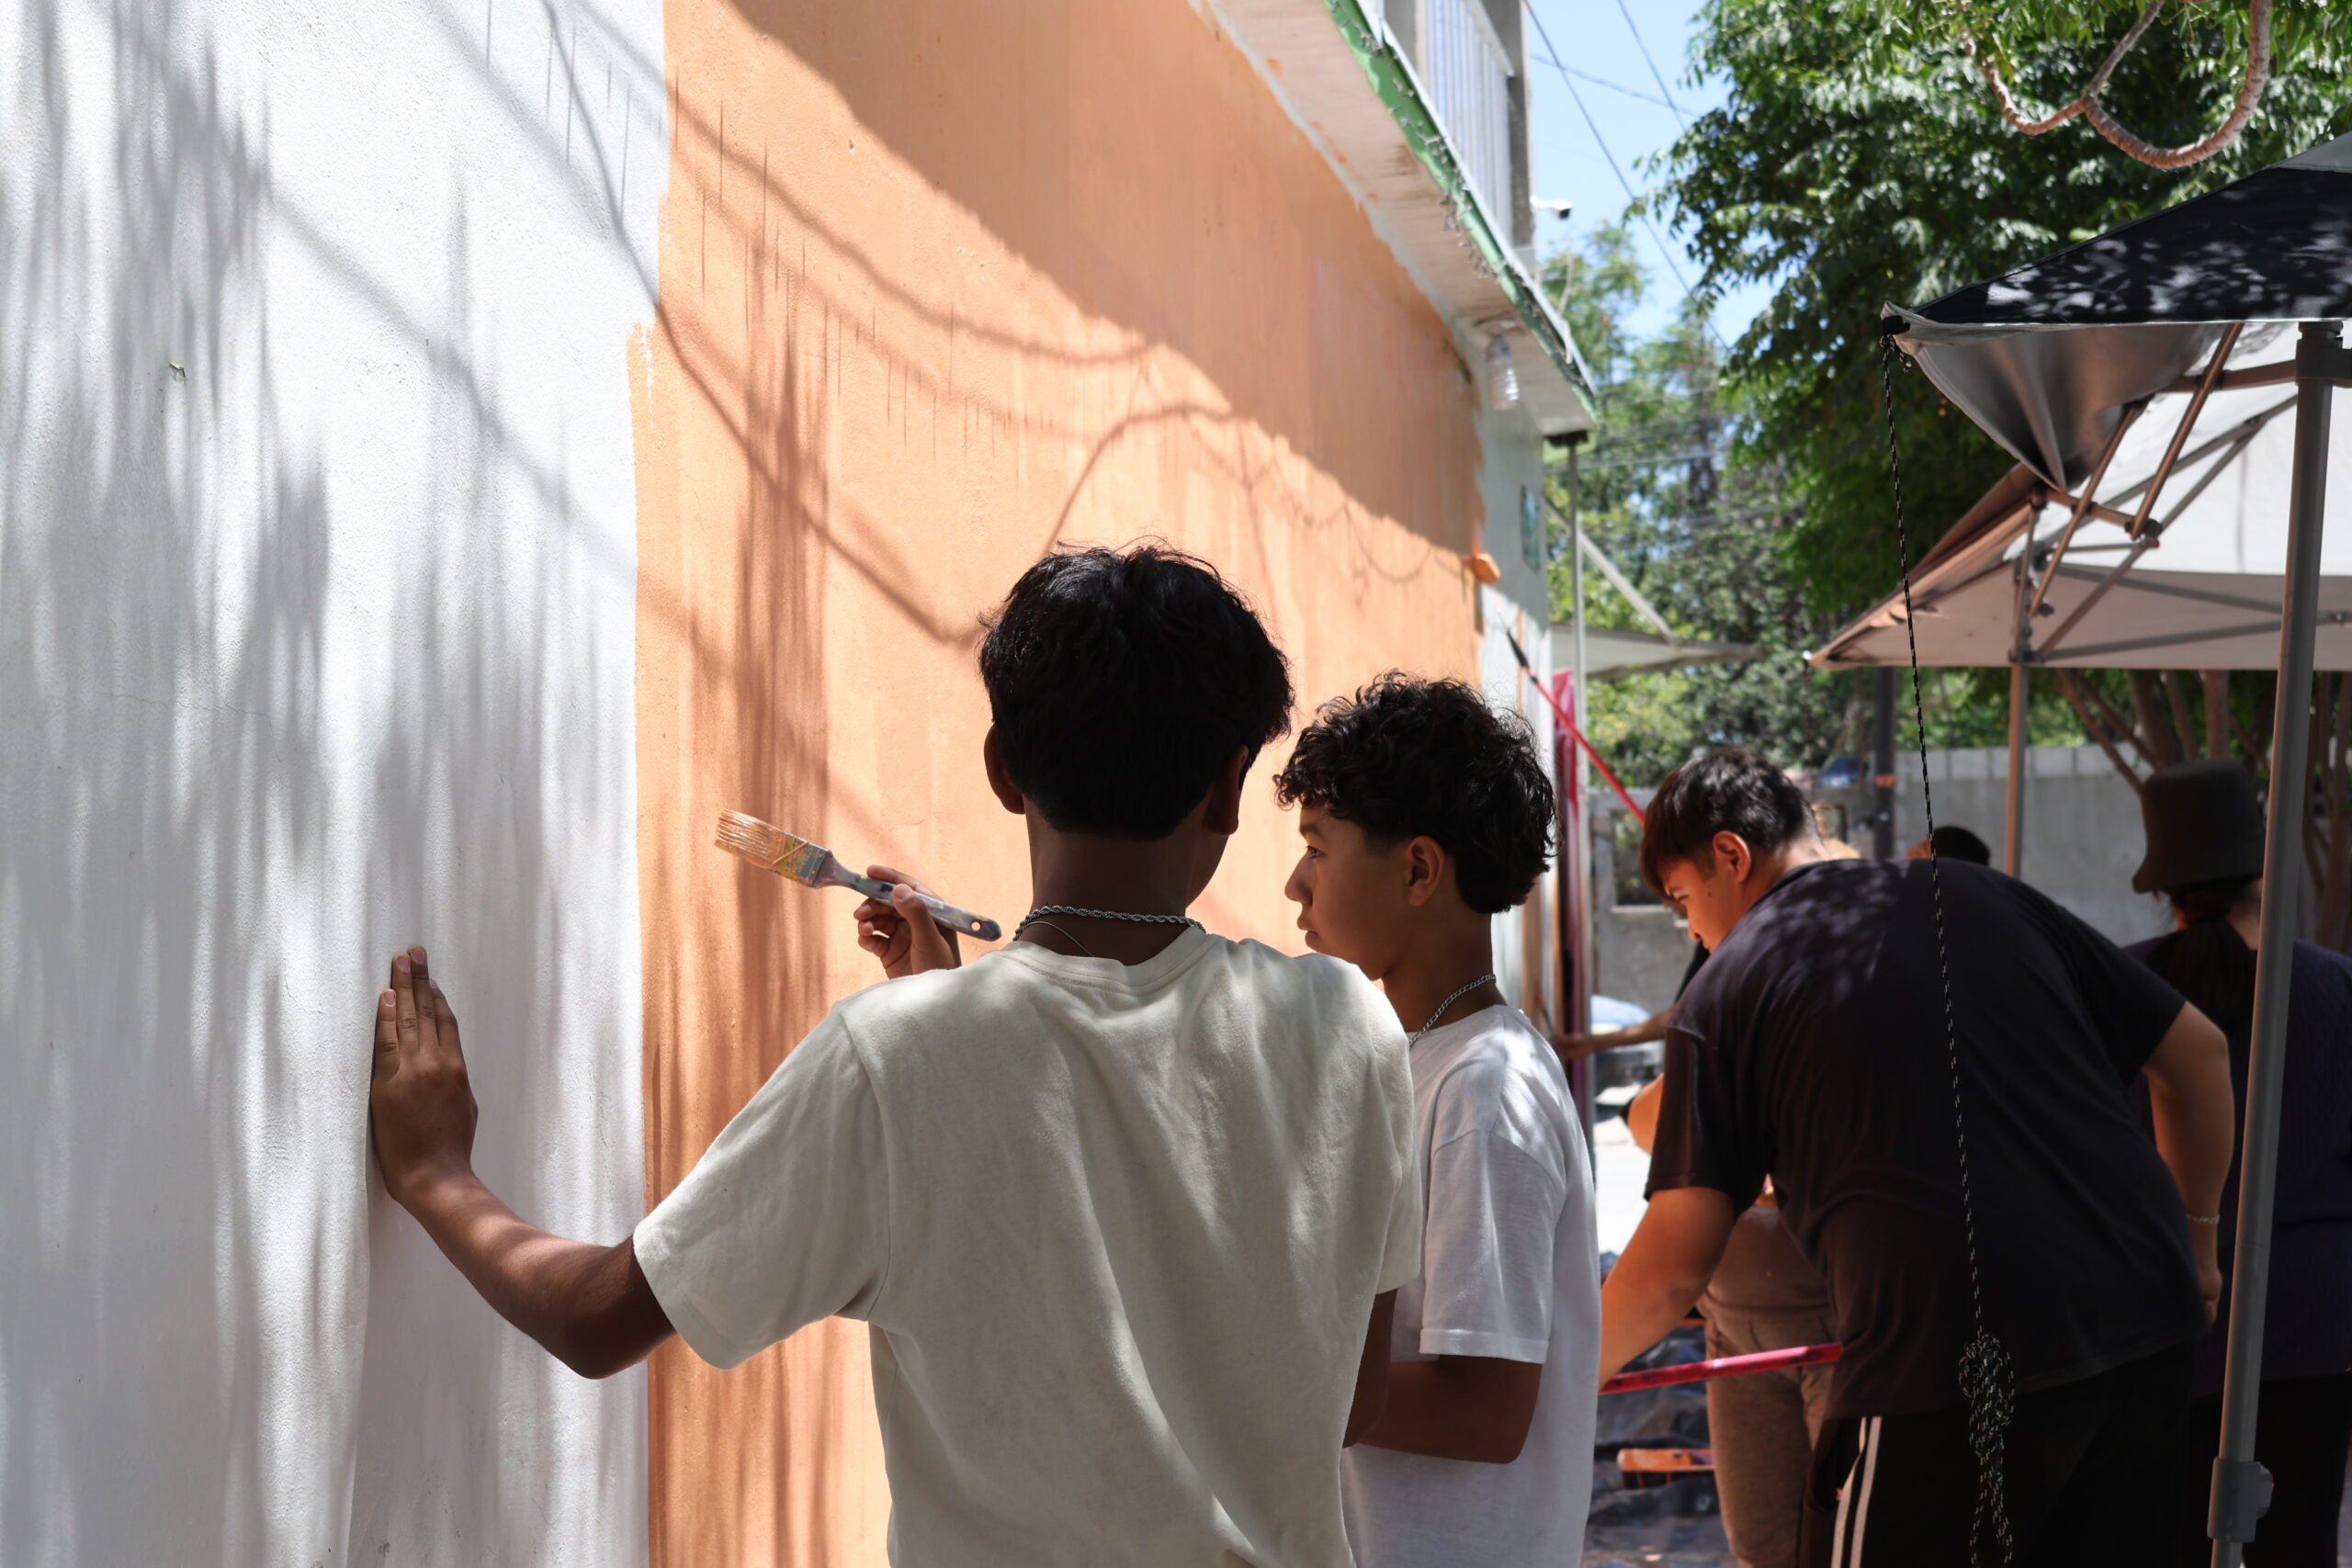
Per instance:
x=1858, y=159
x=1696, y=526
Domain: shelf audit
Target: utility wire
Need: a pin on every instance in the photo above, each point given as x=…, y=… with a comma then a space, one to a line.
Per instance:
x=1656, y=76
x=1664, y=251
x=1605, y=82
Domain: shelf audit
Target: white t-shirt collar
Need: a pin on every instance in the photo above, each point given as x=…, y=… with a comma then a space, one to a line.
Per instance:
x=1191, y=945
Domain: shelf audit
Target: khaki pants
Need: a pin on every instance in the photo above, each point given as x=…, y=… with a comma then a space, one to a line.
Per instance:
x=1762, y=1428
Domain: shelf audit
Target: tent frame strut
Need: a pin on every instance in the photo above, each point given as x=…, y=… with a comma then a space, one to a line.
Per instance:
x=2083, y=507
x=2236, y=441
x=2180, y=431
x=2180, y=590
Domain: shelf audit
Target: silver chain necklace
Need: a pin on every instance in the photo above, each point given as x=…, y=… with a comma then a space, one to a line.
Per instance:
x=1037, y=916
x=1449, y=1001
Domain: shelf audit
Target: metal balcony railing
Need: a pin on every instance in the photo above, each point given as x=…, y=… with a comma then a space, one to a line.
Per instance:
x=1469, y=81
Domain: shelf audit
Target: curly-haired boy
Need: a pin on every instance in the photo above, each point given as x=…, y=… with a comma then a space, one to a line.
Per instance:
x=1425, y=814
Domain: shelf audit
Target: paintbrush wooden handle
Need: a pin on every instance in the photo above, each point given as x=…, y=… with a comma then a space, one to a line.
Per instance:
x=947, y=915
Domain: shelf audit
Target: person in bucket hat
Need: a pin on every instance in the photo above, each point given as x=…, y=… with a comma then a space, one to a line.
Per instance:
x=2204, y=825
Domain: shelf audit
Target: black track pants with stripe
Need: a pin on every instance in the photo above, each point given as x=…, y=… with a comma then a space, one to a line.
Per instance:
x=2091, y=1469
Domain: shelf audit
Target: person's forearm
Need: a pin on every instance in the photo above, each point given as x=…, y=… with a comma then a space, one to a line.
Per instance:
x=1572, y=1046
x=2195, y=1114
x=1668, y=1263
x=1458, y=1408
x=588, y=1305
x=2195, y=1138
x=2194, y=1110
x=1641, y=1302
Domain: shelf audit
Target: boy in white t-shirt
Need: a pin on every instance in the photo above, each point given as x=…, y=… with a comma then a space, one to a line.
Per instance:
x=1125, y=1204
x=1426, y=814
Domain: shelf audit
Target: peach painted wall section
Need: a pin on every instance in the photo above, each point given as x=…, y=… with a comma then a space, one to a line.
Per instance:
x=943, y=283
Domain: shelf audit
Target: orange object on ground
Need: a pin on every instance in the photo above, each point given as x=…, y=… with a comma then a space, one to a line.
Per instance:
x=1664, y=1462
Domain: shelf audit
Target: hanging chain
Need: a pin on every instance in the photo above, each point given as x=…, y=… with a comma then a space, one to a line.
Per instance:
x=1986, y=1378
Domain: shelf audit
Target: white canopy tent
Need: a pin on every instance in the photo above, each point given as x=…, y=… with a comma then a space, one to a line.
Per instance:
x=2073, y=363
x=1610, y=653
x=2198, y=588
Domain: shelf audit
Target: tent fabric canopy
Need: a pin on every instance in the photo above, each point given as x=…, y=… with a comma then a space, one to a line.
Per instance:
x=2204, y=590
x=1611, y=651
x=2095, y=369
x=2046, y=356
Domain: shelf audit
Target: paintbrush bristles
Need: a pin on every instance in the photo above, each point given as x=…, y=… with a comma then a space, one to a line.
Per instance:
x=769, y=846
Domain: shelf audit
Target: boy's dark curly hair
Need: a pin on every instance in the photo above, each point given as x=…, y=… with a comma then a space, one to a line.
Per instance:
x=1406, y=757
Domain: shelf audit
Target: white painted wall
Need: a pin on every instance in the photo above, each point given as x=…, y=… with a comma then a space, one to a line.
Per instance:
x=319, y=644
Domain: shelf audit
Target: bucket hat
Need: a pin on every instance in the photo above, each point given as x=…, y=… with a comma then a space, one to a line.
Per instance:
x=2204, y=823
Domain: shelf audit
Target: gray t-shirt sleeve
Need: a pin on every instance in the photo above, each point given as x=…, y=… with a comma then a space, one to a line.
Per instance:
x=784, y=1220
x=1488, y=1276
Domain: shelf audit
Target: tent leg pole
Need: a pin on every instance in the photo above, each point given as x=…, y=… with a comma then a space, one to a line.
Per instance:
x=1882, y=761
x=2020, y=653
x=1588, y=905
x=2241, y=1486
x=2013, y=856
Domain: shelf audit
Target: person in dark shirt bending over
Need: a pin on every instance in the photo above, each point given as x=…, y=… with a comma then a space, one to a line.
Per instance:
x=1812, y=1050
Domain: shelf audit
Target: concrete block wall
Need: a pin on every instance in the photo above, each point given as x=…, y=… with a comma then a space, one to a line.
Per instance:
x=2082, y=843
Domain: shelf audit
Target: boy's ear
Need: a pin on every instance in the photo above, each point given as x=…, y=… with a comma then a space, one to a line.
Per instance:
x=1008, y=794
x=1425, y=868
x=1221, y=808
x=1735, y=855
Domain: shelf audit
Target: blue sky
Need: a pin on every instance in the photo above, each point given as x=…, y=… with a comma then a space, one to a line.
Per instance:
x=1597, y=40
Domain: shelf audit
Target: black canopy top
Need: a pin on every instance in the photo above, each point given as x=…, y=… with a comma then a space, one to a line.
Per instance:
x=2046, y=356
x=2275, y=246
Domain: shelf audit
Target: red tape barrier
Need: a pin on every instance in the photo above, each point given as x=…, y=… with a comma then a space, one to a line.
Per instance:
x=1722, y=1367
x=1568, y=724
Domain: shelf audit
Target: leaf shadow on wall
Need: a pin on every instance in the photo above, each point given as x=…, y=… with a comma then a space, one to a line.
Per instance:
x=257, y=732
x=1133, y=157
x=1253, y=332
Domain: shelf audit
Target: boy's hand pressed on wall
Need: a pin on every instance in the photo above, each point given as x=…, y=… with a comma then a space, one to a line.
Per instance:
x=420, y=1109
x=591, y=1306
x=902, y=934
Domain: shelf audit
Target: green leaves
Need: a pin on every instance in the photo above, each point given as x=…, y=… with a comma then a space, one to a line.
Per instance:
x=1859, y=159
x=1699, y=529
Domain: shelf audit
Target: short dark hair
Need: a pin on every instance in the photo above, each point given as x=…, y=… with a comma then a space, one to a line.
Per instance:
x=1119, y=683
x=1728, y=790
x=1952, y=842
x=1406, y=757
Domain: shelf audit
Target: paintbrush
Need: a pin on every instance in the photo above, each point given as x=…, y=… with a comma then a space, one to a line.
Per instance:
x=775, y=850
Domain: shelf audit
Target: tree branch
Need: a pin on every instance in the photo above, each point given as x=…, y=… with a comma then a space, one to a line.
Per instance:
x=2096, y=730
x=2134, y=145
x=2336, y=882
x=2217, y=710
x=2257, y=756
x=2117, y=724
x=2176, y=693
x=2161, y=748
